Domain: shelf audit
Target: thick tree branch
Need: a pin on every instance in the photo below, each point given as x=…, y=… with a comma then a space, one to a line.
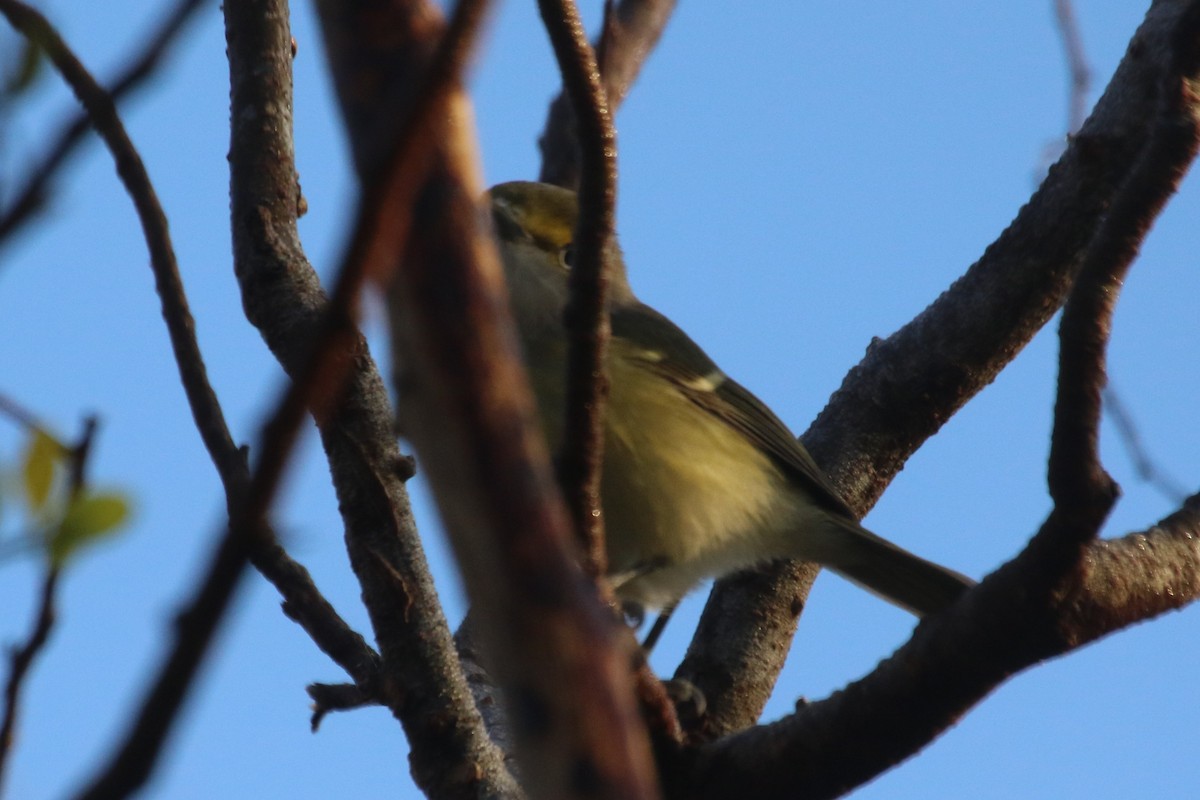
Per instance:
x=31, y=196
x=465, y=403
x=631, y=30
x=952, y=662
x=1038, y=605
x=420, y=681
x=908, y=385
x=586, y=315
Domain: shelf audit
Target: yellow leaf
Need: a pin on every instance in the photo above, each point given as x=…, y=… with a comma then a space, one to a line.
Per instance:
x=42, y=457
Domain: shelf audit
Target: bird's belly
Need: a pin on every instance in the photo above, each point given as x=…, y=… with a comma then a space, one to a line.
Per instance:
x=684, y=499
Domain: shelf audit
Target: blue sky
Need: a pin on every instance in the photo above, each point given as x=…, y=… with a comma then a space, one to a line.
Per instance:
x=796, y=178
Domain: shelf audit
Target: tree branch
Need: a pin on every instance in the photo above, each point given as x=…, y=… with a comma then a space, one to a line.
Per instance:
x=1038, y=605
x=909, y=384
x=1080, y=487
x=464, y=403
x=21, y=658
x=631, y=30
x=586, y=315
x=1081, y=75
x=952, y=662
x=420, y=681
x=135, y=760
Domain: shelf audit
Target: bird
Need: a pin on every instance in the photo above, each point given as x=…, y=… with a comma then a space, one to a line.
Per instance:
x=699, y=478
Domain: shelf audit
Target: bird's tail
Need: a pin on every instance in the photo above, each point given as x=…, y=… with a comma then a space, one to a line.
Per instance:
x=892, y=572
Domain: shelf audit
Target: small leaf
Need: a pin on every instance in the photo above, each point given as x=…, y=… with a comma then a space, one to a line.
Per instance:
x=89, y=518
x=42, y=457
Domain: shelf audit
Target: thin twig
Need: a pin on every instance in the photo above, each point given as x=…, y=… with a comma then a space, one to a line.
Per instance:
x=19, y=414
x=290, y=578
x=1143, y=464
x=31, y=197
x=629, y=34
x=1078, y=483
x=20, y=661
x=1077, y=63
x=586, y=315
x=102, y=112
x=22, y=658
x=136, y=758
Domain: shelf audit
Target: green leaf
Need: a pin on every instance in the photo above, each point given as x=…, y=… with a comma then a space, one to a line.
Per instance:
x=42, y=457
x=90, y=517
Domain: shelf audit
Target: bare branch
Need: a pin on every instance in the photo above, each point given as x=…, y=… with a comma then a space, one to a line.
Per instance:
x=1143, y=463
x=420, y=680
x=304, y=601
x=952, y=662
x=1077, y=63
x=1078, y=483
x=135, y=760
x=102, y=112
x=21, y=659
x=556, y=649
x=908, y=385
x=586, y=315
x=1037, y=606
x=329, y=697
x=631, y=30
x=31, y=197
x=467, y=408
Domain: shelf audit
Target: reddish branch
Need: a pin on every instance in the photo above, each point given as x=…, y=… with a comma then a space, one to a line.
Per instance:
x=631, y=30
x=465, y=405
x=586, y=315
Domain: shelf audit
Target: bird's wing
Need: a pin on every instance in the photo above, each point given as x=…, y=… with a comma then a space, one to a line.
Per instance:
x=664, y=348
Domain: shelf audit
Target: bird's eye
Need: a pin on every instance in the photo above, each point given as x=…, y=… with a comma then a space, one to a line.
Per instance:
x=566, y=256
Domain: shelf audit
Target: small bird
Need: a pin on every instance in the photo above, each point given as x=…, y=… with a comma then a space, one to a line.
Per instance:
x=700, y=478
